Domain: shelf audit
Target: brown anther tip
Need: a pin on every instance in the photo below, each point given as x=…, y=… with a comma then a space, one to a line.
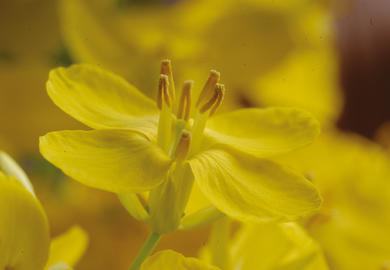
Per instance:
x=215, y=73
x=166, y=62
x=209, y=88
x=188, y=83
x=220, y=88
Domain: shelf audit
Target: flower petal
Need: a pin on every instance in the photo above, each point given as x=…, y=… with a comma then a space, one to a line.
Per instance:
x=307, y=79
x=113, y=160
x=263, y=132
x=23, y=225
x=100, y=99
x=252, y=189
x=169, y=259
x=132, y=204
x=10, y=167
x=60, y=266
x=68, y=248
x=281, y=246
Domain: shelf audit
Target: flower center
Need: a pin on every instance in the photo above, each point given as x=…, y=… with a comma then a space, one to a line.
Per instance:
x=178, y=125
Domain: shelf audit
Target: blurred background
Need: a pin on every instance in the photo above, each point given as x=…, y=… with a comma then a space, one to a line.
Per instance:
x=331, y=58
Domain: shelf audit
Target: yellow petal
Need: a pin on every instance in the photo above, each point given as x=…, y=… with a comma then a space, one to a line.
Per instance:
x=60, y=266
x=24, y=231
x=200, y=218
x=117, y=161
x=253, y=189
x=263, y=132
x=169, y=259
x=283, y=246
x=101, y=99
x=68, y=248
x=133, y=205
x=306, y=79
x=10, y=167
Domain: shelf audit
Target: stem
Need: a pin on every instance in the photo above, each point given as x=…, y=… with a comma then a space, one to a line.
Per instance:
x=146, y=250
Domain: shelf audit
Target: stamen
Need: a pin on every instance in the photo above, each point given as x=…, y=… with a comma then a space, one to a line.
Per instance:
x=184, y=109
x=166, y=69
x=210, y=103
x=220, y=90
x=163, y=94
x=208, y=88
x=183, y=146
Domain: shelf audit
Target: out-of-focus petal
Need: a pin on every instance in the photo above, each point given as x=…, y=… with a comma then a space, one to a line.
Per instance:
x=169, y=259
x=283, y=246
x=68, y=247
x=60, y=266
x=10, y=167
x=307, y=79
x=133, y=205
x=24, y=230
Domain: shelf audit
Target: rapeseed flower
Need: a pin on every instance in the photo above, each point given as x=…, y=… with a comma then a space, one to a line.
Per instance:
x=169, y=259
x=140, y=145
x=280, y=246
x=24, y=231
x=352, y=174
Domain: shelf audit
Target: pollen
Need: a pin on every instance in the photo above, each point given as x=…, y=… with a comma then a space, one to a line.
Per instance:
x=184, y=110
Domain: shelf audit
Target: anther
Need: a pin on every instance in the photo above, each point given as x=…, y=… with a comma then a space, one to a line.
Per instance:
x=184, y=109
x=183, y=146
x=208, y=88
x=215, y=101
x=220, y=90
x=163, y=93
x=166, y=69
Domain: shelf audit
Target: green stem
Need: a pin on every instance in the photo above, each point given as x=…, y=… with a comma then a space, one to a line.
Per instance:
x=146, y=250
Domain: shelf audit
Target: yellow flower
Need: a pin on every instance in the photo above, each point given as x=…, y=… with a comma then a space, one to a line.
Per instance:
x=24, y=229
x=266, y=246
x=169, y=259
x=352, y=174
x=276, y=246
x=137, y=146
